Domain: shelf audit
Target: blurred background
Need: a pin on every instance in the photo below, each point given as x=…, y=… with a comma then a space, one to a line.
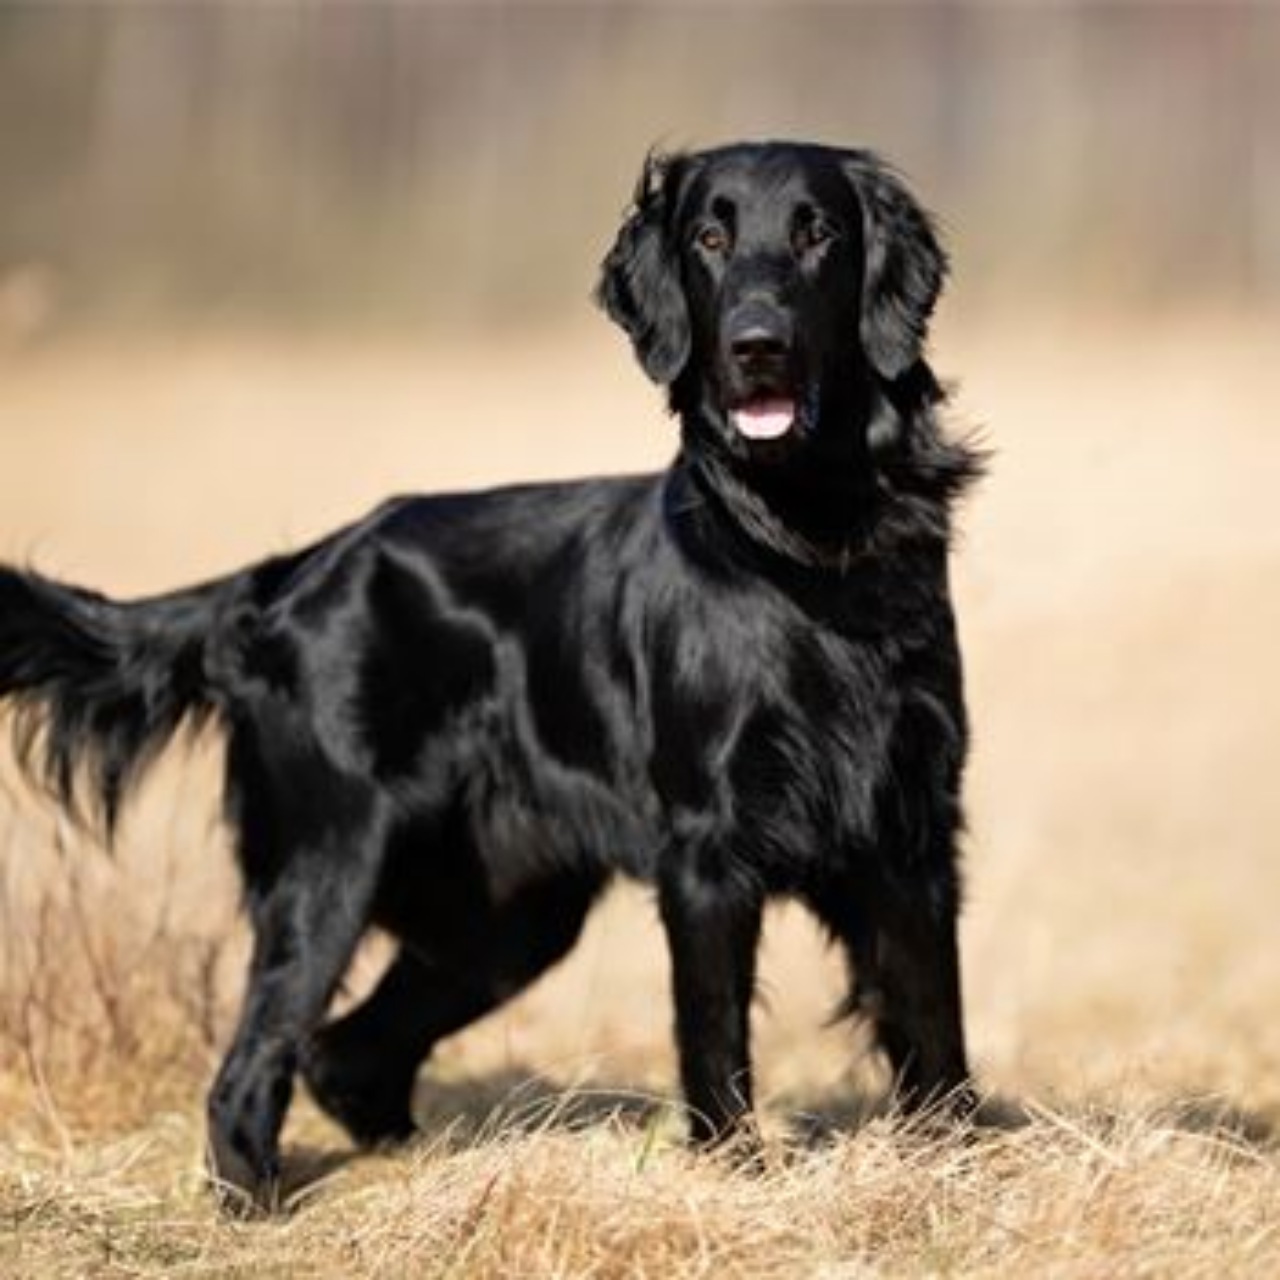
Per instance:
x=262, y=265
x=461, y=164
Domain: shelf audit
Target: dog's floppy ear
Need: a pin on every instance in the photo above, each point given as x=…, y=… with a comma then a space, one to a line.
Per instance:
x=904, y=269
x=640, y=285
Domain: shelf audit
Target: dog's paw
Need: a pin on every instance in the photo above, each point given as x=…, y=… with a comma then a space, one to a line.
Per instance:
x=243, y=1187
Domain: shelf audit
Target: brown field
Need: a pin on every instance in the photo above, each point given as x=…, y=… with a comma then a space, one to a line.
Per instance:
x=1119, y=585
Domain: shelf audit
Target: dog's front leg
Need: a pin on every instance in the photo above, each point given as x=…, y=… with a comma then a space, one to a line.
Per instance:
x=900, y=938
x=916, y=973
x=713, y=928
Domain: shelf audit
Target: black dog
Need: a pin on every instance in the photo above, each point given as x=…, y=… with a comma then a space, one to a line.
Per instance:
x=457, y=719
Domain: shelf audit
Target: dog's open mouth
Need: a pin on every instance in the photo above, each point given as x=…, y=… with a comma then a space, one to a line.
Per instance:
x=765, y=417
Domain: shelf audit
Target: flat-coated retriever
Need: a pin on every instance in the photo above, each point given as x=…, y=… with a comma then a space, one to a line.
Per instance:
x=457, y=719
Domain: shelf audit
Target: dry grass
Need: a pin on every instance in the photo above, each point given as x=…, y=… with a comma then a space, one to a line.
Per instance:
x=1120, y=590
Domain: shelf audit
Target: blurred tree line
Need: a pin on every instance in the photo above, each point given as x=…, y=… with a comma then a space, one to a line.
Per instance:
x=464, y=164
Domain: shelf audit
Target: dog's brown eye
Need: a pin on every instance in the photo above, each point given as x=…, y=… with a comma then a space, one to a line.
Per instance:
x=813, y=234
x=713, y=239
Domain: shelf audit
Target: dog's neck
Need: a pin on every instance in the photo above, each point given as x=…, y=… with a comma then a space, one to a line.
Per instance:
x=817, y=521
x=858, y=489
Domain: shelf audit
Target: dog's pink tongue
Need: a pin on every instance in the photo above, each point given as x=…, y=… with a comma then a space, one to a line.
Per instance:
x=765, y=419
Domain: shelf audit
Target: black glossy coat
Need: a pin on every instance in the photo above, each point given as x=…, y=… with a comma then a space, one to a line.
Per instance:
x=460, y=717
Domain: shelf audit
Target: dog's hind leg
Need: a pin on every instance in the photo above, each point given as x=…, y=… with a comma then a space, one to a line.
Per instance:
x=361, y=1068
x=310, y=853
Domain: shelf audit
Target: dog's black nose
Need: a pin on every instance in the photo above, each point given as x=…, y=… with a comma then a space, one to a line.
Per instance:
x=759, y=345
x=759, y=333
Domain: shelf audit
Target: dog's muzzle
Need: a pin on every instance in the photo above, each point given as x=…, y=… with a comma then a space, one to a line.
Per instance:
x=759, y=350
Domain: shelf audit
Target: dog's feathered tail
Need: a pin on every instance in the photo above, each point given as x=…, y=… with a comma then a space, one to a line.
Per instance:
x=97, y=687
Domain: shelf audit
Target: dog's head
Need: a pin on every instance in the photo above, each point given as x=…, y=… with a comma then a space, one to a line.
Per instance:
x=768, y=284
